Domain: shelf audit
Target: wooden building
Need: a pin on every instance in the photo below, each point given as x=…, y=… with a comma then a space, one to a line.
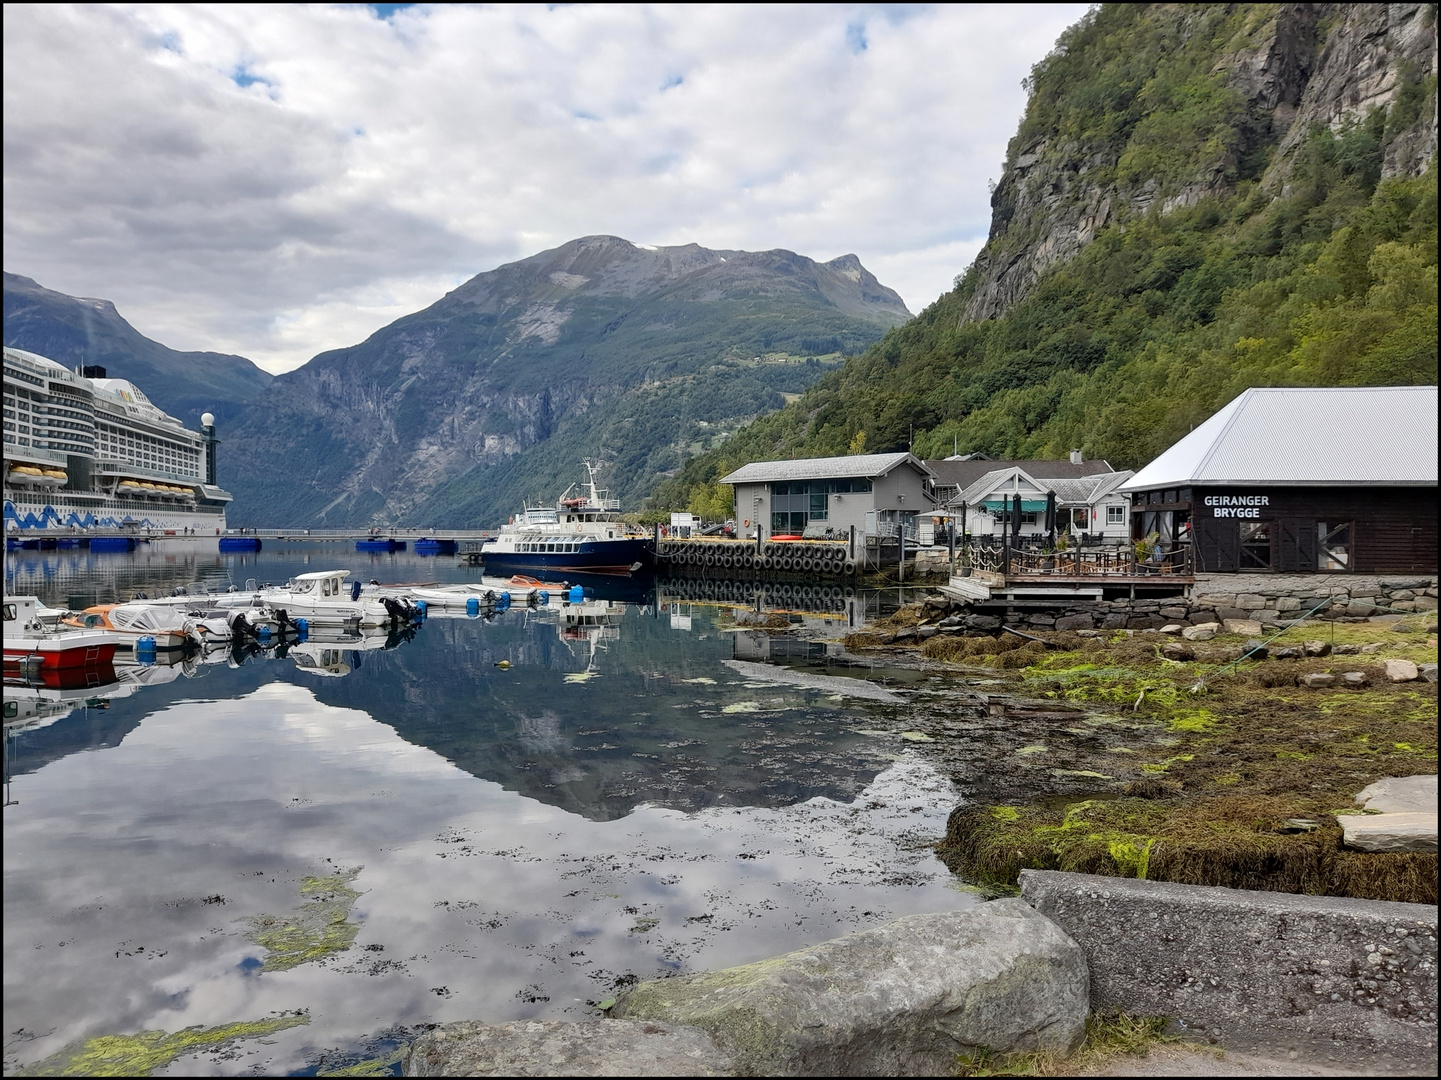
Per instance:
x=1300, y=480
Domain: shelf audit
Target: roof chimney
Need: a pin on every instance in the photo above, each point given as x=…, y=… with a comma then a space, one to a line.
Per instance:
x=1076, y=457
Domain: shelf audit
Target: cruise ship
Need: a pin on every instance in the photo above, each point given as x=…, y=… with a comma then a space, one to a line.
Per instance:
x=83, y=451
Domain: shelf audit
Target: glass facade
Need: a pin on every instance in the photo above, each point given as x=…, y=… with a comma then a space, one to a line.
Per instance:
x=796, y=503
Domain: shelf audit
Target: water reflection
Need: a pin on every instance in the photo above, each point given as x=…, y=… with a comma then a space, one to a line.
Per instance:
x=536, y=806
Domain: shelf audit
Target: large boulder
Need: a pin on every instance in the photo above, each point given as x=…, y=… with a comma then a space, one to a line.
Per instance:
x=1401, y=671
x=561, y=1048
x=903, y=999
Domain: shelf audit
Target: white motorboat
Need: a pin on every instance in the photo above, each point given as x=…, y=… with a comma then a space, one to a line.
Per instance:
x=321, y=597
x=166, y=627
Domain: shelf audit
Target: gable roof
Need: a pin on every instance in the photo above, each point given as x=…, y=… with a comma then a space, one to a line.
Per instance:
x=1069, y=491
x=962, y=474
x=828, y=468
x=1308, y=437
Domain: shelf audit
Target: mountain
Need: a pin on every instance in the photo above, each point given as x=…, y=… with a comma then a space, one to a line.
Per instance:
x=600, y=349
x=1200, y=198
x=75, y=331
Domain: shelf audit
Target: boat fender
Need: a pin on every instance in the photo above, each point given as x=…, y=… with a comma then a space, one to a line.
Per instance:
x=302, y=628
x=472, y=605
x=576, y=594
x=542, y=598
x=503, y=601
x=354, y=591
x=145, y=649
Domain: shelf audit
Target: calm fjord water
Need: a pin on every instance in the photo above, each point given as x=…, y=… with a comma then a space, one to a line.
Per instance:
x=415, y=834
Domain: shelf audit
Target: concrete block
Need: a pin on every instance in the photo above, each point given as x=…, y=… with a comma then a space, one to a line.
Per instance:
x=1346, y=977
x=1204, y=632
x=1396, y=794
x=563, y=1048
x=1318, y=680
x=1401, y=671
x=1409, y=831
x=900, y=1000
x=1241, y=626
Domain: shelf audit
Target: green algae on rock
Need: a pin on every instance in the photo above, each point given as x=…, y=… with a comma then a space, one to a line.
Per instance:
x=315, y=929
x=142, y=1053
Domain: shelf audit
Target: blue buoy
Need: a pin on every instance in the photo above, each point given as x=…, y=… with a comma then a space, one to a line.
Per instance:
x=302, y=628
x=472, y=605
x=145, y=649
x=576, y=594
x=542, y=598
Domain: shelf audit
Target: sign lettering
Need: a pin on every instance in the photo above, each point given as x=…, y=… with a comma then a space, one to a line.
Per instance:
x=1236, y=506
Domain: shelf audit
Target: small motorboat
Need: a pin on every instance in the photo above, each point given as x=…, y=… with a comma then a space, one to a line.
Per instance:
x=168, y=627
x=27, y=642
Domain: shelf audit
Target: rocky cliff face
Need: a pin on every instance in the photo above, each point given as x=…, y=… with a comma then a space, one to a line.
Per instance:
x=494, y=394
x=1175, y=102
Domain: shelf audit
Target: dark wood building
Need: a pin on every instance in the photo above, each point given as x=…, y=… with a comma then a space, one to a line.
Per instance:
x=1300, y=480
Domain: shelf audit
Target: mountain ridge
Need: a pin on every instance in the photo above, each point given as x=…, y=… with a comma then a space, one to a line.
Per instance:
x=77, y=331
x=494, y=393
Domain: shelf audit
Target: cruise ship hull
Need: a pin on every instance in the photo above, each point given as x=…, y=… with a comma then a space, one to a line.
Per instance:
x=604, y=556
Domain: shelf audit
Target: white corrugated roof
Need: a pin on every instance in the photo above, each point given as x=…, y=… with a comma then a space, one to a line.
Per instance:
x=1308, y=436
x=826, y=468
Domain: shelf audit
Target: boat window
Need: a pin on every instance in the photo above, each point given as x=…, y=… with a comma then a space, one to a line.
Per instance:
x=549, y=547
x=10, y=616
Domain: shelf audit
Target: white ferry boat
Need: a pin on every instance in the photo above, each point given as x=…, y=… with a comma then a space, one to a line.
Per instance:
x=583, y=532
x=83, y=451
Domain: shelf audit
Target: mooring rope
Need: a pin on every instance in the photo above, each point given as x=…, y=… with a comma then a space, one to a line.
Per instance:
x=1200, y=685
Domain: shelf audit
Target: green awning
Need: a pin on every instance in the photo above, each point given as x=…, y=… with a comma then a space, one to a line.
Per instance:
x=1028, y=506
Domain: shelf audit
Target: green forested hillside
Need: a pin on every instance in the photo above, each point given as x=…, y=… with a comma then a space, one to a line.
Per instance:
x=1229, y=256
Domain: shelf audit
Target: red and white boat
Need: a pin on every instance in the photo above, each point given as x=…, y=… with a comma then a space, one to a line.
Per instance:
x=27, y=641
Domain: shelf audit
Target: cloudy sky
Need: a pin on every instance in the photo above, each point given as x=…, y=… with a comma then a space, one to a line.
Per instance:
x=276, y=180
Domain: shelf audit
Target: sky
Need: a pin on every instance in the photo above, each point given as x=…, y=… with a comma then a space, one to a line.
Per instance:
x=279, y=180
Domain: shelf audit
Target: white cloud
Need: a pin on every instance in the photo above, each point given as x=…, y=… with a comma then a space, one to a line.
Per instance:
x=280, y=180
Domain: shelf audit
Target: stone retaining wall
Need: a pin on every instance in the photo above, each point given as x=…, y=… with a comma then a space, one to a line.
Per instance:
x=1270, y=599
x=1351, y=980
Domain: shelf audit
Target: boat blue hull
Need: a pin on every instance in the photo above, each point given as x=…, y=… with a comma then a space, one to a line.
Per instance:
x=609, y=555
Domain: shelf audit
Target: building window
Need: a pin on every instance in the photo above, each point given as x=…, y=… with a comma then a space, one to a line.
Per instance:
x=1256, y=545
x=1080, y=520
x=1333, y=550
x=1115, y=515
